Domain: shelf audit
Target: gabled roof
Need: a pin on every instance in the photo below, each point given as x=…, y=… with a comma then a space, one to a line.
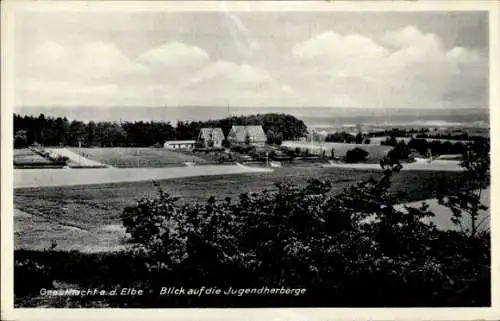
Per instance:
x=210, y=133
x=239, y=133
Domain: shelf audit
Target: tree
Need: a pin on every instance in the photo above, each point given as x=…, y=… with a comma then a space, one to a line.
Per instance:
x=390, y=141
x=356, y=155
x=467, y=199
x=117, y=135
x=77, y=133
x=340, y=137
x=400, y=152
x=420, y=145
x=340, y=246
x=358, y=139
x=91, y=136
x=56, y=131
x=20, y=139
x=61, y=131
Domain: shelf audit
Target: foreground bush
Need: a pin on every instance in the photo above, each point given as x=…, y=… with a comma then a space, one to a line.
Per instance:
x=356, y=155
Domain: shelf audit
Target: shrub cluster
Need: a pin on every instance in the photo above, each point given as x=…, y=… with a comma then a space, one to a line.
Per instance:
x=356, y=155
x=423, y=146
x=350, y=249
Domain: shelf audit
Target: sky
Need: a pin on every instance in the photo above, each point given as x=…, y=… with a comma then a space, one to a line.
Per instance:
x=293, y=59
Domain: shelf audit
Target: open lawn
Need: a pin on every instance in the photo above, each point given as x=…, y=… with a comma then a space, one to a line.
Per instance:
x=91, y=206
x=138, y=157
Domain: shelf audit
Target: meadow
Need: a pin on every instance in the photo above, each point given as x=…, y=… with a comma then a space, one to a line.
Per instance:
x=138, y=157
x=91, y=206
x=376, y=151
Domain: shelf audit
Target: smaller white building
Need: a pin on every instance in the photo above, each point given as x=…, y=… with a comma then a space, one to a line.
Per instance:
x=179, y=144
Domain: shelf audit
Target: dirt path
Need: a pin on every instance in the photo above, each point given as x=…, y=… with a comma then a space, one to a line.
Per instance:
x=71, y=177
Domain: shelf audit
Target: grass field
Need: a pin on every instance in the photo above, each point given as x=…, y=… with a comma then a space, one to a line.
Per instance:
x=93, y=206
x=26, y=156
x=376, y=151
x=138, y=157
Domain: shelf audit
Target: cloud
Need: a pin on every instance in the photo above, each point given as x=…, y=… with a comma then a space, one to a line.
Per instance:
x=229, y=71
x=463, y=55
x=41, y=93
x=404, y=67
x=105, y=60
x=100, y=73
x=174, y=54
x=169, y=63
x=49, y=52
x=332, y=45
x=401, y=68
x=96, y=61
x=339, y=56
x=415, y=47
x=411, y=37
x=224, y=81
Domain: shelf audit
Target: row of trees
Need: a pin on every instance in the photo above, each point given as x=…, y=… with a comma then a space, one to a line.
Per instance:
x=343, y=137
x=424, y=133
x=278, y=127
x=400, y=132
x=458, y=135
x=423, y=146
x=51, y=131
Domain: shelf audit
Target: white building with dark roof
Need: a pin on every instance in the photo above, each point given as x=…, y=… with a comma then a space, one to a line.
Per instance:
x=179, y=144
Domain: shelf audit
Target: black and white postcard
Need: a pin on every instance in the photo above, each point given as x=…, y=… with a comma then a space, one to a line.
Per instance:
x=249, y=160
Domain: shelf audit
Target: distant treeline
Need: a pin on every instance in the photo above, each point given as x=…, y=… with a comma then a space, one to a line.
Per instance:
x=423, y=146
x=343, y=137
x=424, y=133
x=50, y=131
